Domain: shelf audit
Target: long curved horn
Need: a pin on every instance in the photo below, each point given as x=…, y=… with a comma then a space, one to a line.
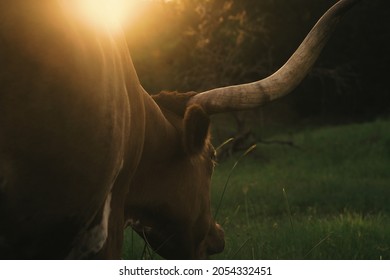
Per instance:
x=283, y=81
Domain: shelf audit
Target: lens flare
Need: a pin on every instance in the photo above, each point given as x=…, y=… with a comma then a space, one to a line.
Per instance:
x=110, y=14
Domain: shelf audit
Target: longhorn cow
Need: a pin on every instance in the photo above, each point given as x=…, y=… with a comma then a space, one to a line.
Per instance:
x=85, y=151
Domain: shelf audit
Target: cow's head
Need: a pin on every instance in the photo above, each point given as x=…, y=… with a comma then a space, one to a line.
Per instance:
x=169, y=202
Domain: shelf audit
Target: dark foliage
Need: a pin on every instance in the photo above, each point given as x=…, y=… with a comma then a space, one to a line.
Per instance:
x=197, y=44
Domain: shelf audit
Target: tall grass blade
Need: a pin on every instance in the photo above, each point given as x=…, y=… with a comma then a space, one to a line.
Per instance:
x=246, y=210
x=144, y=251
x=317, y=245
x=224, y=144
x=249, y=150
x=132, y=243
x=288, y=209
x=148, y=248
x=239, y=249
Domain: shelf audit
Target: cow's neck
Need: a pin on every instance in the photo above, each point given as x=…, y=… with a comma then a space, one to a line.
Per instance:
x=160, y=135
x=160, y=142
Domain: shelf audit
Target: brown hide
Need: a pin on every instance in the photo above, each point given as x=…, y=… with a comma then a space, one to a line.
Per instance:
x=71, y=134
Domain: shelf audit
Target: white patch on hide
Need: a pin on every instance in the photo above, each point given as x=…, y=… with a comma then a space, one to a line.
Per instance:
x=92, y=241
x=99, y=234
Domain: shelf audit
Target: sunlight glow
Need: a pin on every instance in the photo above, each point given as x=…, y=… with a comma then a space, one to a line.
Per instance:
x=110, y=14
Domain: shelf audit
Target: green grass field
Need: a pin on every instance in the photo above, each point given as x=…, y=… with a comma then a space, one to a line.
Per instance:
x=327, y=197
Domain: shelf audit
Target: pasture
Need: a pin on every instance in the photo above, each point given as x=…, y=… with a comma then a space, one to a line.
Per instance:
x=325, y=197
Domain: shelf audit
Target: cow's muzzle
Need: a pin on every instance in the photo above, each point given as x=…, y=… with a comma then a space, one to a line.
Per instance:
x=215, y=240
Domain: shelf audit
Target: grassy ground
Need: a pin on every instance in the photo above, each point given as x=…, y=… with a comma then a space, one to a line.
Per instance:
x=328, y=197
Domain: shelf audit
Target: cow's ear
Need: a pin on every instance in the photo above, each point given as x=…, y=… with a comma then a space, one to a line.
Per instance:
x=196, y=129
